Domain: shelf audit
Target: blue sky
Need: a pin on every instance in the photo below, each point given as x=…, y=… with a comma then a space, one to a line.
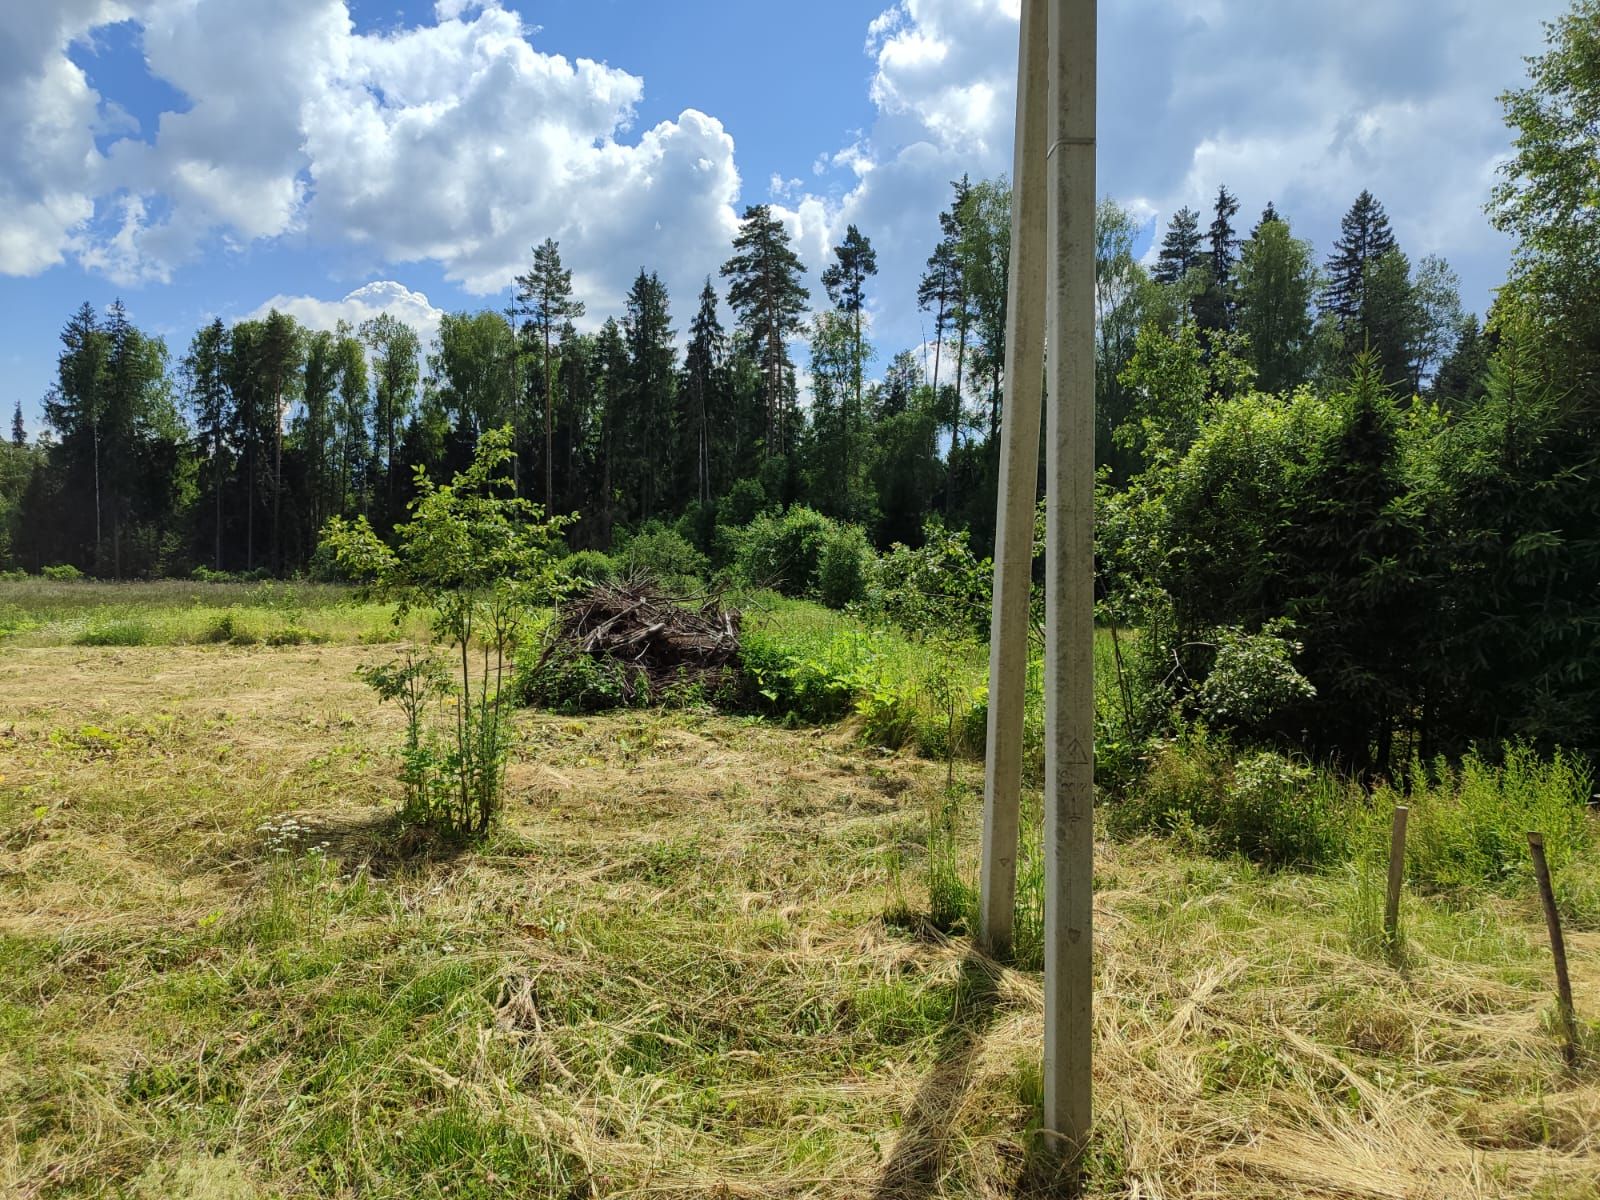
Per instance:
x=335, y=157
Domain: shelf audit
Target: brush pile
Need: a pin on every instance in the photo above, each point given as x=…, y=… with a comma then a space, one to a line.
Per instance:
x=654, y=643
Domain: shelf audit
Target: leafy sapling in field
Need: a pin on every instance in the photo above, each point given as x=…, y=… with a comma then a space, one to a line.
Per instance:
x=477, y=561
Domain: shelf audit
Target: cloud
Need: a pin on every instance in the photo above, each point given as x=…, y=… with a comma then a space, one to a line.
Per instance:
x=1303, y=105
x=456, y=142
x=361, y=305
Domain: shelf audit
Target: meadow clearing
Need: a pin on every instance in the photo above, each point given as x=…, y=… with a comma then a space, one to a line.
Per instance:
x=698, y=956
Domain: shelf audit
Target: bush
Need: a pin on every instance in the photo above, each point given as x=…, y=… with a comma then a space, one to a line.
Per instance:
x=941, y=585
x=743, y=503
x=844, y=568
x=230, y=628
x=666, y=556
x=1269, y=808
x=14, y=575
x=570, y=683
x=784, y=551
x=61, y=573
x=588, y=568
x=1252, y=678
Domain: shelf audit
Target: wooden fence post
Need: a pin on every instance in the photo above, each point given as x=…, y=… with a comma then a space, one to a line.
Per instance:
x=1397, y=872
x=1558, y=948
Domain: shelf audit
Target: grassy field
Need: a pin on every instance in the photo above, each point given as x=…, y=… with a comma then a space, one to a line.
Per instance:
x=39, y=612
x=692, y=962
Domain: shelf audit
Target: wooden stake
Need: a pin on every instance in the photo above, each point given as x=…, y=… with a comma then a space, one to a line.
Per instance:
x=1069, y=584
x=1019, y=476
x=1558, y=948
x=1397, y=872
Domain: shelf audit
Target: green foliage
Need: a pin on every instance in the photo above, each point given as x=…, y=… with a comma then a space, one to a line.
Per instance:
x=1273, y=809
x=665, y=555
x=845, y=567
x=61, y=573
x=1468, y=827
x=475, y=561
x=1252, y=678
x=939, y=585
x=570, y=682
x=589, y=567
x=784, y=550
x=115, y=633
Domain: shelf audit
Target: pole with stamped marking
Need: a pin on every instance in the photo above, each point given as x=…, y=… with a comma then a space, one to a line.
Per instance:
x=1019, y=482
x=1069, y=582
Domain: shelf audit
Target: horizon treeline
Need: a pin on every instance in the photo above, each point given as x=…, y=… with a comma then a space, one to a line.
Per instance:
x=230, y=453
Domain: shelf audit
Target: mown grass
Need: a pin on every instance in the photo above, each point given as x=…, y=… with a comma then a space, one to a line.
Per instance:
x=699, y=958
x=41, y=612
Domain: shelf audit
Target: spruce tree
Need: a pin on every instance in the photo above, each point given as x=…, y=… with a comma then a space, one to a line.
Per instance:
x=19, y=428
x=651, y=362
x=702, y=393
x=1180, y=248
x=545, y=293
x=1364, y=238
x=210, y=401
x=769, y=298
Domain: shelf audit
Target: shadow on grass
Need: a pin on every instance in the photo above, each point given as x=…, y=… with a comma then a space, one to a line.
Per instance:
x=381, y=842
x=922, y=1153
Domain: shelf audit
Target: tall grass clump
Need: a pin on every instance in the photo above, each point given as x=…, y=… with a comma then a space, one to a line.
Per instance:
x=1469, y=824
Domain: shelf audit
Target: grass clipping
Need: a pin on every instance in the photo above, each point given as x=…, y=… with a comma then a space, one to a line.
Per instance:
x=657, y=643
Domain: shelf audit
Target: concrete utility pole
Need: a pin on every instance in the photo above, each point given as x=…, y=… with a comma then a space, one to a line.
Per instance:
x=1057, y=43
x=1019, y=474
x=1069, y=582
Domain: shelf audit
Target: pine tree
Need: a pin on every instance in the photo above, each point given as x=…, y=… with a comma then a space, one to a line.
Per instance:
x=769, y=298
x=939, y=290
x=611, y=365
x=19, y=429
x=846, y=279
x=545, y=292
x=1180, y=248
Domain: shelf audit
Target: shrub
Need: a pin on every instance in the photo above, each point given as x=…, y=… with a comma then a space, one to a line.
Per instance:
x=570, y=682
x=586, y=568
x=1267, y=807
x=844, y=568
x=940, y=586
x=784, y=551
x=1252, y=678
x=666, y=556
x=744, y=501
x=13, y=575
x=231, y=629
x=61, y=573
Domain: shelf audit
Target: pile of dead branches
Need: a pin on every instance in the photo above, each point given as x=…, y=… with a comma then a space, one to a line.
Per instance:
x=661, y=643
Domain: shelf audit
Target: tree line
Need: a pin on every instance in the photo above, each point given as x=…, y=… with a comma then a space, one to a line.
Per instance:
x=232, y=455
